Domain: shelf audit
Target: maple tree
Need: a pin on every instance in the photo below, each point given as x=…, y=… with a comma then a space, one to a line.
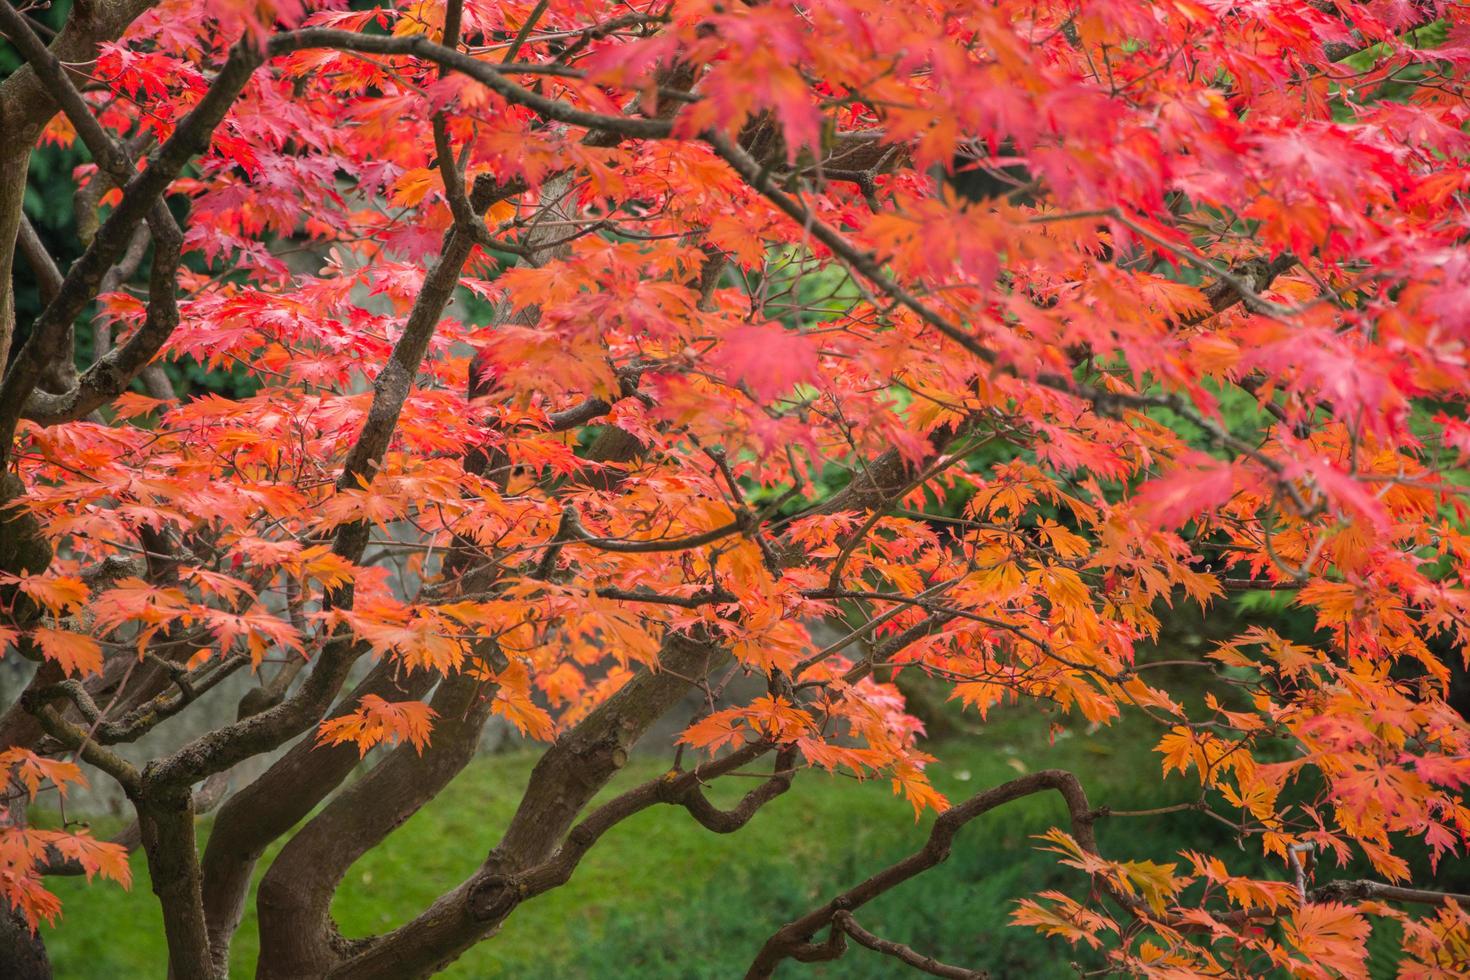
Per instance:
x=595, y=353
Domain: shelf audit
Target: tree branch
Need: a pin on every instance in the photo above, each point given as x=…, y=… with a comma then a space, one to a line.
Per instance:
x=278, y=800
x=794, y=937
x=844, y=921
x=142, y=194
x=297, y=937
x=571, y=771
x=43, y=266
x=1364, y=889
x=492, y=76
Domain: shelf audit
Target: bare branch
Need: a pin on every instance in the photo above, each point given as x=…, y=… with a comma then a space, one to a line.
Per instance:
x=48, y=276
x=1364, y=889
x=574, y=531
x=844, y=921
x=795, y=937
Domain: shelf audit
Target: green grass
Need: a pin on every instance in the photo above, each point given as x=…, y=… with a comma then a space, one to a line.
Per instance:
x=660, y=897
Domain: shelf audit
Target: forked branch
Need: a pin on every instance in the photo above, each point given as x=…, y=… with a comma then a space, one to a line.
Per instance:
x=794, y=940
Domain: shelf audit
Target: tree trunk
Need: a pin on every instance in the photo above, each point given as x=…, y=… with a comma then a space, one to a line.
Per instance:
x=22, y=953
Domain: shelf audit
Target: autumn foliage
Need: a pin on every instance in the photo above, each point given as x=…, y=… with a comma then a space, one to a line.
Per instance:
x=594, y=353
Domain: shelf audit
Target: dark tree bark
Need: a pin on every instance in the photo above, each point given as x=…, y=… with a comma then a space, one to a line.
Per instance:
x=22, y=953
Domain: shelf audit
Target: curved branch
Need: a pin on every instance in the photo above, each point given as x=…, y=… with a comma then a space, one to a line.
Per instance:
x=276, y=801
x=492, y=76
x=76, y=739
x=593, y=408
x=499, y=894
x=794, y=938
x=728, y=821
x=844, y=921
x=111, y=374
x=142, y=195
x=572, y=530
x=870, y=268
x=568, y=775
x=43, y=266
x=297, y=936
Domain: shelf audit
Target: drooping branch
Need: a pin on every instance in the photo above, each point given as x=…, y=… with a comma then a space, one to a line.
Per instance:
x=793, y=940
x=1235, y=290
x=843, y=922
x=759, y=178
